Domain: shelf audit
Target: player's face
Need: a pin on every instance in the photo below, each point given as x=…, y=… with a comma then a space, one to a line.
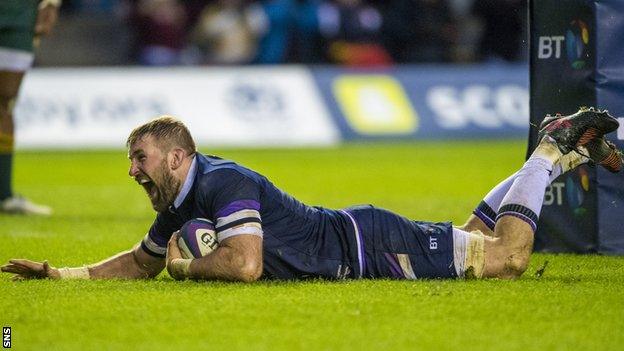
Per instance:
x=149, y=168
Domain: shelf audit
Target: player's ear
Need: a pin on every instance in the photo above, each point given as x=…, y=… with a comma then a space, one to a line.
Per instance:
x=176, y=156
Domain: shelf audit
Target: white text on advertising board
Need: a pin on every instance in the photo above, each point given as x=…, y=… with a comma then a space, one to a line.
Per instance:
x=479, y=105
x=549, y=46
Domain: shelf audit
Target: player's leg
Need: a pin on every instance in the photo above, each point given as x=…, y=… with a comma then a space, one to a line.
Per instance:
x=600, y=151
x=396, y=247
x=507, y=255
x=10, y=82
x=9, y=86
x=519, y=198
x=591, y=146
x=483, y=217
x=9, y=202
x=17, y=20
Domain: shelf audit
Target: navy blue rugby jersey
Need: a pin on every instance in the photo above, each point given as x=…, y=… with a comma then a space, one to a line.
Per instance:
x=299, y=241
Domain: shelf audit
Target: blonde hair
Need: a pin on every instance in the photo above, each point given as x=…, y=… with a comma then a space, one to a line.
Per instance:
x=168, y=131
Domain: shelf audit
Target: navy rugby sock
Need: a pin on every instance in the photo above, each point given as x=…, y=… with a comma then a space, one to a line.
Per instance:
x=6, y=165
x=5, y=176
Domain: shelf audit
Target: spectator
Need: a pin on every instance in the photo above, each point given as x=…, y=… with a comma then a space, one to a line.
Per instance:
x=273, y=46
x=351, y=30
x=160, y=29
x=503, y=28
x=228, y=32
x=305, y=45
x=419, y=30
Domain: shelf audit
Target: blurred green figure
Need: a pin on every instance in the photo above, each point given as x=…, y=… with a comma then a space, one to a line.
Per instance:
x=22, y=22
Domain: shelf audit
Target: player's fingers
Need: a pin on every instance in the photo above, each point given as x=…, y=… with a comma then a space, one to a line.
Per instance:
x=34, y=266
x=174, y=237
x=9, y=268
x=173, y=249
x=15, y=270
x=2, y=268
x=172, y=241
x=16, y=260
x=19, y=261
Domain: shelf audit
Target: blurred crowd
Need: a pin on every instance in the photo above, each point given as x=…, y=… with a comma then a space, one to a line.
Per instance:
x=349, y=32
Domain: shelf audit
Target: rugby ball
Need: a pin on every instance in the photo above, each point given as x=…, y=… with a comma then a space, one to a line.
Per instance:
x=197, y=238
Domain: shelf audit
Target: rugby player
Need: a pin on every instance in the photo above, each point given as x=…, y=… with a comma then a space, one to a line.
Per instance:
x=22, y=22
x=265, y=233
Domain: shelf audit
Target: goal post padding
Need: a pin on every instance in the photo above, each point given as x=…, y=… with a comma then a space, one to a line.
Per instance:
x=577, y=59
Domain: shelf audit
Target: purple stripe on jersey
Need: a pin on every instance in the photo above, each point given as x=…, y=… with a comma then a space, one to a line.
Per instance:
x=159, y=240
x=360, y=243
x=396, y=270
x=150, y=252
x=237, y=206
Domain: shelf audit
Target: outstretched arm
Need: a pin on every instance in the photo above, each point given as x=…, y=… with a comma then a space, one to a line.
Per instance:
x=238, y=258
x=131, y=264
x=47, y=16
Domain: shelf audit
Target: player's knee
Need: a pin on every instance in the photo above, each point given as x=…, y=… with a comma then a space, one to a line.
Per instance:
x=505, y=261
x=516, y=265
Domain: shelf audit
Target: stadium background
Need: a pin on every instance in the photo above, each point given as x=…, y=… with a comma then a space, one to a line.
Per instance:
x=417, y=106
x=315, y=72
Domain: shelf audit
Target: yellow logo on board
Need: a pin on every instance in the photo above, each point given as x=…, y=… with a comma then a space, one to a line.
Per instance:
x=375, y=105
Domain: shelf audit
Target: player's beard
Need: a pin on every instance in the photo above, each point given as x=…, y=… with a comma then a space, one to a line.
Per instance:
x=163, y=192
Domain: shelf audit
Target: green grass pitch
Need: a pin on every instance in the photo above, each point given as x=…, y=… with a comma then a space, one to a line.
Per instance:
x=578, y=304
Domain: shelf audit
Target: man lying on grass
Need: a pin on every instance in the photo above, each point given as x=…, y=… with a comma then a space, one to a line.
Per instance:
x=265, y=233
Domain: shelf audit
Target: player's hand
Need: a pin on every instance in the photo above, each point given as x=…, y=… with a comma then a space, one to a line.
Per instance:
x=177, y=267
x=46, y=18
x=26, y=269
x=173, y=250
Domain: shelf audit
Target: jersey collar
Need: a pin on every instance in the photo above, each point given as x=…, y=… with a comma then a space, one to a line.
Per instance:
x=188, y=183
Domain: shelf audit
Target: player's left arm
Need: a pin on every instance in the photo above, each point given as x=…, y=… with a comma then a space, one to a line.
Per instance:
x=233, y=203
x=131, y=264
x=238, y=258
x=47, y=16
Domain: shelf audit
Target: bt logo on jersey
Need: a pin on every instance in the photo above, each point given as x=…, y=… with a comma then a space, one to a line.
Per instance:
x=433, y=243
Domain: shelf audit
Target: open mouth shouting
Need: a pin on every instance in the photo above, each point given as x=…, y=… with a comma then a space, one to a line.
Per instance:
x=150, y=188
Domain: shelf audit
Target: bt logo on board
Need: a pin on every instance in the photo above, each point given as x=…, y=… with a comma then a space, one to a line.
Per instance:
x=576, y=41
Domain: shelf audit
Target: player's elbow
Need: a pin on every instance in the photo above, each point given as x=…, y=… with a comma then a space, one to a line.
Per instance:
x=250, y=270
